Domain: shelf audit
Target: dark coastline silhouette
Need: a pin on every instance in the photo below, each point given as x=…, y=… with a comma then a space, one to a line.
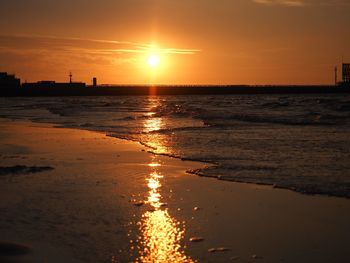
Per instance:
x=10, y=87
x=126, y=90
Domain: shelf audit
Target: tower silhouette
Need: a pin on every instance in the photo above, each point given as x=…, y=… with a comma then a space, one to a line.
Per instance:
x=335, y=75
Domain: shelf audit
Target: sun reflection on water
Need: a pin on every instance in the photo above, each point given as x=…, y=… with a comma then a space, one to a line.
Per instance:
x=154, y=140
x=153, y=124
x=161, y=234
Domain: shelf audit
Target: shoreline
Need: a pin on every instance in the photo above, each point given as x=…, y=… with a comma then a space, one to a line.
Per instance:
x=208, y=164
x=109, y=181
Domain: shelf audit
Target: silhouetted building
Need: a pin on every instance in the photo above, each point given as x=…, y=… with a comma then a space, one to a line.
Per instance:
x=49, y=84
x=94, y=82
x=346, y=73
x=45, y=83
x=9, y=81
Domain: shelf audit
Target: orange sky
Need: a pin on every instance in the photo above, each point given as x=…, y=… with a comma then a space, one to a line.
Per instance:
x=198, y=41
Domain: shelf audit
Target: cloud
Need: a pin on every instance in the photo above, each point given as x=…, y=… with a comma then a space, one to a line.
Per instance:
x=281, y=2
x=90, y=46
x=301, y=3
x=41, y=57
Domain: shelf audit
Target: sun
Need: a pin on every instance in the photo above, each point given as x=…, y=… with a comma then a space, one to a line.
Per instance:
x=153, y=60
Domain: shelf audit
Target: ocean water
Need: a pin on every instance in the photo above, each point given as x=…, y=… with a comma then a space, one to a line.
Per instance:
x=298, y=142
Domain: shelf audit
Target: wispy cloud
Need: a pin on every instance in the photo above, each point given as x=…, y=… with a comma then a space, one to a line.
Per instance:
x=86, y=45
x=281, y=2
x=301, y=3
x=41, y=57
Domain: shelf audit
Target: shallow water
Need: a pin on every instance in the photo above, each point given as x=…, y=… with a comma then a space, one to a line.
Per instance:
x=299, y=142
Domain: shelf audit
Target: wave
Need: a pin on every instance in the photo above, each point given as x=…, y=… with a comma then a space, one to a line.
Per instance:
x=252, y=139
x=305, y=185
x=308, y=119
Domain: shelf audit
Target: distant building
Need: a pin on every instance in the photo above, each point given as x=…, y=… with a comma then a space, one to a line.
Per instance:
x=49, y=84
x=45, y=83
x=9, y=81
x=346, y=73
x=94, y=82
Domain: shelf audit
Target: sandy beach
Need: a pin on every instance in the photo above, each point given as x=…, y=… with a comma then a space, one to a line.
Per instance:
x=78, y=196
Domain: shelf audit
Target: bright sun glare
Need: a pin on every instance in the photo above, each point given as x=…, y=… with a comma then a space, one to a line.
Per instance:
x=153, y=60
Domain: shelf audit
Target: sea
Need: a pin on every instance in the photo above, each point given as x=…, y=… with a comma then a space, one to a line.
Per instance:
x=296, y=142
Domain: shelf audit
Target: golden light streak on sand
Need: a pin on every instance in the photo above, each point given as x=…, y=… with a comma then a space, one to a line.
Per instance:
x=161, y=234
x=161, y=238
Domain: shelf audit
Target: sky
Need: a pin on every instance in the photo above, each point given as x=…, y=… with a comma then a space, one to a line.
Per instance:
x=197, y=41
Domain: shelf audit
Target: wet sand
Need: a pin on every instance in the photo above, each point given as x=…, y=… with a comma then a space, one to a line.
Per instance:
x=108, y=200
